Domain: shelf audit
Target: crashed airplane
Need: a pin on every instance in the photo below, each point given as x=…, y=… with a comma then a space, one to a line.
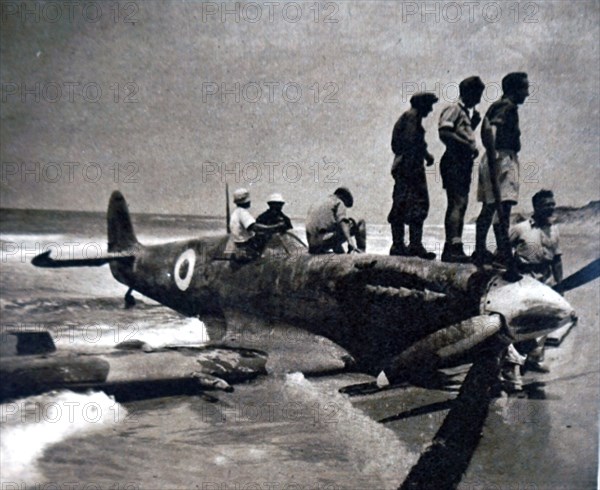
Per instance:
x=393, y=315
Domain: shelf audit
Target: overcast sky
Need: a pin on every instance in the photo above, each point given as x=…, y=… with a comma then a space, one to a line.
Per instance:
x=96, y=99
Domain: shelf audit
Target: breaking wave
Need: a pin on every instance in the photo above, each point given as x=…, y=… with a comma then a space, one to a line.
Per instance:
x=31, y=425
x=374, y=450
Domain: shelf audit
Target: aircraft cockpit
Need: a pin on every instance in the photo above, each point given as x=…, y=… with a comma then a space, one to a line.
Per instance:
x=284, y=245
x=277, y=245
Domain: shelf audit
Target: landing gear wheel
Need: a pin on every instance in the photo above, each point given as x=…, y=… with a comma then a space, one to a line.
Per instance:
x=129, y=299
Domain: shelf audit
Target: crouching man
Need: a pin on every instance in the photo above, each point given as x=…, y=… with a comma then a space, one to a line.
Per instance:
x=537, y=253
x=328, y=227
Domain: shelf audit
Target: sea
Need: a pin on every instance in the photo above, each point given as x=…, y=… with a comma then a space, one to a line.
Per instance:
x=279, y=431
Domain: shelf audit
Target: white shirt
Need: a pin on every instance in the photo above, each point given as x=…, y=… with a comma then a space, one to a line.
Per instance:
x=536, y=245
x=240, y=221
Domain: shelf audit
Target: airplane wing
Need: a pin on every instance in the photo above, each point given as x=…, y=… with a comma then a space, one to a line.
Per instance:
x=289, y=348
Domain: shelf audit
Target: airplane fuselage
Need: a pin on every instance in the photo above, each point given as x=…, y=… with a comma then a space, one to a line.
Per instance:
x=365, y=303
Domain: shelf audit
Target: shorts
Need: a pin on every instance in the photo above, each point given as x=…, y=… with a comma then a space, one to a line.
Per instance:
x=456, y=174
x=508, y=178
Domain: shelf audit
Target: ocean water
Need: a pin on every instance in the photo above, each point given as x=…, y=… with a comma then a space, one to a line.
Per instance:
x=277, y=431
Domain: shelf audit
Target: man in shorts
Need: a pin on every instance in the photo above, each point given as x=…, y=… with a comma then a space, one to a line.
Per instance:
x=499, y=170
x=456, y=128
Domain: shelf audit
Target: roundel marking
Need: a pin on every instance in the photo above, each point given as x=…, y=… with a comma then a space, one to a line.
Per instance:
x=184, y=269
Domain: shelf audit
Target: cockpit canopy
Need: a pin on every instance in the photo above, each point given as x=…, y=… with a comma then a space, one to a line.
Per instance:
x=283, y=245
x=279, y=245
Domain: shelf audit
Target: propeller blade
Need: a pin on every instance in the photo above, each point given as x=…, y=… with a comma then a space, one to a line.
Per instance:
x=584, y=275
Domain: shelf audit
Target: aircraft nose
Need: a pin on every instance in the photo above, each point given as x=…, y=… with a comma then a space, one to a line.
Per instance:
x=531, y=309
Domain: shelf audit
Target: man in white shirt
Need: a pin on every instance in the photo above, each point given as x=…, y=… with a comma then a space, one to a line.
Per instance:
x=537, y=253
x=246, y=234
x=456, y=128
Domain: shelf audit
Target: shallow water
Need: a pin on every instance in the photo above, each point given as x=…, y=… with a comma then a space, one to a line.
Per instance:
x=278, y=430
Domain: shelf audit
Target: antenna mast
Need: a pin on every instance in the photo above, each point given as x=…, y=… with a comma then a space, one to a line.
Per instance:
x=227, y=212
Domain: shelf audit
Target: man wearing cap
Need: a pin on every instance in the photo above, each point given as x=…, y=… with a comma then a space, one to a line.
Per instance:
x=245, y=231
x=274, y=215
x=411, y=199
x=499, y=170
x=456, y=130
x=328, y=227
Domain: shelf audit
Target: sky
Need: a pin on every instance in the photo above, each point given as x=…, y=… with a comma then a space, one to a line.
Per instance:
x=168, y=101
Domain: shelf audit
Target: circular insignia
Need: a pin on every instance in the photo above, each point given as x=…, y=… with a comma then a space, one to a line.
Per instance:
x=184, y=269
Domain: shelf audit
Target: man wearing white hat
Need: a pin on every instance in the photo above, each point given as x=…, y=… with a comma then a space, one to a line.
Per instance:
x=244, y=228
x=274, y=215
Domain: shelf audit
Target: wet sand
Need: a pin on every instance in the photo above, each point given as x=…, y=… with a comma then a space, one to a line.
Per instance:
x=548, y=439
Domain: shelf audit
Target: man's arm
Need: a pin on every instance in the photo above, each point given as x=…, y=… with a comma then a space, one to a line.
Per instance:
x=345, y=226
x=447, y=126
x=449, y=137
x=475, y=119
x=260, y=228
x=488, y=138
x=557, y=268
x=288, y=222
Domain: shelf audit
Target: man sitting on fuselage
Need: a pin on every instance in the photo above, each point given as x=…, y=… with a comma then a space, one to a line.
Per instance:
x=248, y=236
x=274, y=215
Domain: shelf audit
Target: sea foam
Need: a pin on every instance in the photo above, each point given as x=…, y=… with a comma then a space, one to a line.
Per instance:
x=31, y=425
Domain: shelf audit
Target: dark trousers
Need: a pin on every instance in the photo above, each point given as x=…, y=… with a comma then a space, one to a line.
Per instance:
x=415, y=233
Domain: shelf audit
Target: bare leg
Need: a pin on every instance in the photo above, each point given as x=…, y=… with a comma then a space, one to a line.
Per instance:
x=503, y=241
x=463, y=201
x=360, y=234
x=482, y=255
x=484, y=221
x=452, y=218
x=453, y=223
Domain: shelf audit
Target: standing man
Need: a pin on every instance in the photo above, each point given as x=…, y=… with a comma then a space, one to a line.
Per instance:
x=499, y=170
x=247, y=235
x=456, y=128
x=328, y=227
x=411, y=199
x=537, y=252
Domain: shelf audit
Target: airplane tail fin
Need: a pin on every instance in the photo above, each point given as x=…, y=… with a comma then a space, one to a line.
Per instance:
x=122, y=243
x=121, y=236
